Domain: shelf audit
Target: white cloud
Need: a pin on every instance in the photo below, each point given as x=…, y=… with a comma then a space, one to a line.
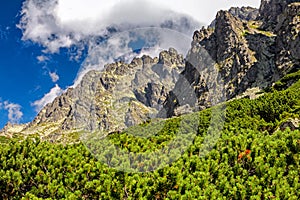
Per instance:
x=57, y=24
x=47, y=98
x=14, y=111
x=42, y=58
x=54, y=76
x=205, y=11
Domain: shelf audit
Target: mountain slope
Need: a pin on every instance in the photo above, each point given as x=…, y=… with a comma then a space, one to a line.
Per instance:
x=256, y=157
x=244, y=50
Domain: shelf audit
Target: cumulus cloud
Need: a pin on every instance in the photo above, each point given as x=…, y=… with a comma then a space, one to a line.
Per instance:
x=14, y=111
x=59, y=24
x=47, y=98
x=54, y=76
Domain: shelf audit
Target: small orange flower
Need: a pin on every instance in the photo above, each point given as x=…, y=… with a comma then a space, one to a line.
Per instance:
x=243, y=154
x=247, y=152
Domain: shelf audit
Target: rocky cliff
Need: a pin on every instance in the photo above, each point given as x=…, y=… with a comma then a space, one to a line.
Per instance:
x=121, y=95
x=244, y=13
x=271, y=10
x=246, y=54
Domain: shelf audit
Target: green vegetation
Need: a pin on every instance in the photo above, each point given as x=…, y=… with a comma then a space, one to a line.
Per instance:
x=254, y=24
x=292, y=79
x=254, y=27
x=253, y=159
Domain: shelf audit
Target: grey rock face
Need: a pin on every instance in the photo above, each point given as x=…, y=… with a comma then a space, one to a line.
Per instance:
x=245, y=55
x=243, y=13
x=58, y=110
x=217, y=64
x=271, y=10
x=288, y=39
x=120, y=96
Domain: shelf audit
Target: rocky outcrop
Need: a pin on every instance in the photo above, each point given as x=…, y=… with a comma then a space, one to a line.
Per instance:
x=59, y=109
x=9, y=130
x=292, y=124
x=288, y=39
x=121, y=95
x=242, y=55
x=218, y=65
x=244, y=13
x=271, y=10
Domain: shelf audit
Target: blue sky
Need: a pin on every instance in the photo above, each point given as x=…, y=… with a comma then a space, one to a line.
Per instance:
x=23, y=79
x=55, y=43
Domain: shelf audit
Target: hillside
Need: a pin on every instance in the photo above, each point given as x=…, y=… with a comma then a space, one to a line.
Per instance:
x=220, y=123
x=256, y=157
